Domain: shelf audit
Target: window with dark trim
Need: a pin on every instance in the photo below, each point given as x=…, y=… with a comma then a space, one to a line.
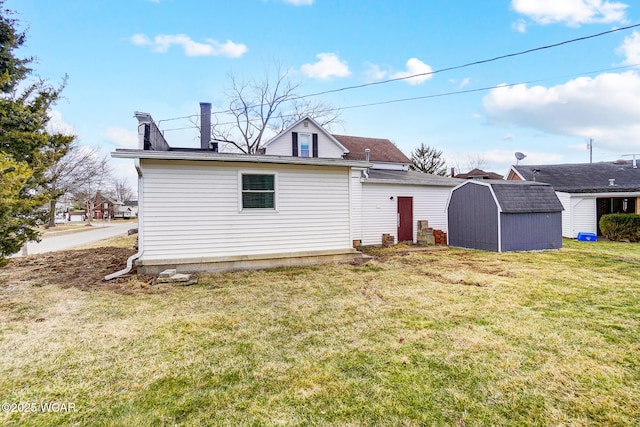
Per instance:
x=304, y=144
x=258, y=191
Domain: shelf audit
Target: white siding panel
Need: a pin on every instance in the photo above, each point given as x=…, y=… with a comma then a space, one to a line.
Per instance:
x=565, y=199
x=356, y=205
x=379, y=212
x=583, y=210
x=192, y=210
x=326, y=147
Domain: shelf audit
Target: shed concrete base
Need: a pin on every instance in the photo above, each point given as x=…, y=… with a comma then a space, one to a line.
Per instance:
x=249, y=262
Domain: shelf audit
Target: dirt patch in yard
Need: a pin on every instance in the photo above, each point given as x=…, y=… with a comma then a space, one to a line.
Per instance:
x=402, y=249
x=82, y=269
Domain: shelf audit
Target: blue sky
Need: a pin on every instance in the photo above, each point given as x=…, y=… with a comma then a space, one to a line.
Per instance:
x=165, y=56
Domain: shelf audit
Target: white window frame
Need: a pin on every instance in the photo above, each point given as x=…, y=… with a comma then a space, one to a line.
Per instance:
x=310, y=136
x=241, y=208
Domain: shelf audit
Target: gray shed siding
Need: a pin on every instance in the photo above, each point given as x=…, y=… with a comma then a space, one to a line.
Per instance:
x=531, y=231
x=473, y=219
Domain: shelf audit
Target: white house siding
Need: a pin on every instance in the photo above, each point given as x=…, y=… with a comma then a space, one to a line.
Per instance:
x=326, y=147
x=583, y=211
x=356, y=205
x=192, y=210
x=565, y=199
x=379, y=212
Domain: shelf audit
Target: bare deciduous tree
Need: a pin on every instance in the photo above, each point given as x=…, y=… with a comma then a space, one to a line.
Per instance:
x=121, y=189
x=86, y=191
x=257, y=107
x=324, y=114
x=76, y=169
x=468, y=163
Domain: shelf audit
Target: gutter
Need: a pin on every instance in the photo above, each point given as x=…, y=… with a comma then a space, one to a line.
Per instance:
x=137, y=255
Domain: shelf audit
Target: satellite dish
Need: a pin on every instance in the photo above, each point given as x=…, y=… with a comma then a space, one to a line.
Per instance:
x=519, y=156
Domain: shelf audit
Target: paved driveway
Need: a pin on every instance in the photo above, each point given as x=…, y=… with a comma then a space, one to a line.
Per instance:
x=99, y=231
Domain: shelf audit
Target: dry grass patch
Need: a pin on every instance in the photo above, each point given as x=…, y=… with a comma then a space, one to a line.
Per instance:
x=448, y=337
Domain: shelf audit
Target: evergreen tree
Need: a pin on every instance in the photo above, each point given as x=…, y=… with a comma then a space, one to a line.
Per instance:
x=27, y=150
x=428, y=160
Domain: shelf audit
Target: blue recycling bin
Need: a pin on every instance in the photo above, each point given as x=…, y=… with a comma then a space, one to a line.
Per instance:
x=587, y=237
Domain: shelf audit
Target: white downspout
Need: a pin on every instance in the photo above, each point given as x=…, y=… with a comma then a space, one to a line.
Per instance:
x=137, y=255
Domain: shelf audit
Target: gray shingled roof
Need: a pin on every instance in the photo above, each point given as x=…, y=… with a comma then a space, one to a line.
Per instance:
x=585, y=177
x=384, y=176
x=522, y=196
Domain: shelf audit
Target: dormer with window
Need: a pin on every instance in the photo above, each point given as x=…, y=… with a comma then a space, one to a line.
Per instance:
x=305, y=138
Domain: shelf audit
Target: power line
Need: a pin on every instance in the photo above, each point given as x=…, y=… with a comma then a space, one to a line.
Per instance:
x=443, y=94
x=484, y=61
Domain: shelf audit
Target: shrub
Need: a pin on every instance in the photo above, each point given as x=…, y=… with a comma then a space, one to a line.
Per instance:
x=621, y=227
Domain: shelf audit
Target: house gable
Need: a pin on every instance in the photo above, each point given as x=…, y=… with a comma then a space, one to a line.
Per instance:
x=319, y=142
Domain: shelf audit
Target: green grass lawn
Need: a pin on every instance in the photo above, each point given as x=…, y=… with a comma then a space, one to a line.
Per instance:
x=450, y=337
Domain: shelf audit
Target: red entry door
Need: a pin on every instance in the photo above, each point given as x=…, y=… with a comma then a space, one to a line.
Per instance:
x=405, y=219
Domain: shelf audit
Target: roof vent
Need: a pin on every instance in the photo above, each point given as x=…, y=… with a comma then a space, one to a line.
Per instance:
x=367, y=153
x=612, y=182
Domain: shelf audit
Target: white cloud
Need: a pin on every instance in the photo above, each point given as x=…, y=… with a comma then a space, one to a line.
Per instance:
x=631, y=49
x=520, y=26
x=415, y=67
x=300, y=2
x=329, y=65
x=571, y=12
x=606, y=108
x=121, y=137
x=507, y=157
x=374, y=73
x=464, y=82
x=57, y=125
x=161, y=43
x=578, y=147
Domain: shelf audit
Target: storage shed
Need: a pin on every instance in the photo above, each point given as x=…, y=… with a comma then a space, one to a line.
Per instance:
x=502, y=216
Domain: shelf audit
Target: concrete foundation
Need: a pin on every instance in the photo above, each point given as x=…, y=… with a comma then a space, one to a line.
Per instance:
x=248, y=262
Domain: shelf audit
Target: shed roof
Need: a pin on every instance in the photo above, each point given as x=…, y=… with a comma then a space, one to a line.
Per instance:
x=522, y=196
x=584, y=177
x=382, y=150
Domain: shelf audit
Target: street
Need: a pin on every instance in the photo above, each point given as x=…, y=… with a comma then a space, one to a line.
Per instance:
x=99, y=231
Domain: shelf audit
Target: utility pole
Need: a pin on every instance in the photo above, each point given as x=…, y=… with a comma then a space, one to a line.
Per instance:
x=590, y=147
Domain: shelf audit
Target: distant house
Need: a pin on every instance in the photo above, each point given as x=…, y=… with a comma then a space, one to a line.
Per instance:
x=102, y=207
x=311, y=197
x=77, y=215
x=127, y=210
x=501, y=216
x=587, y=190
x=479, y=174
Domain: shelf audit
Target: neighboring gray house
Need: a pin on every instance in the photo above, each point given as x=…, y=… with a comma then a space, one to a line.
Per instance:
x=587, y=190
x=502, y=216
